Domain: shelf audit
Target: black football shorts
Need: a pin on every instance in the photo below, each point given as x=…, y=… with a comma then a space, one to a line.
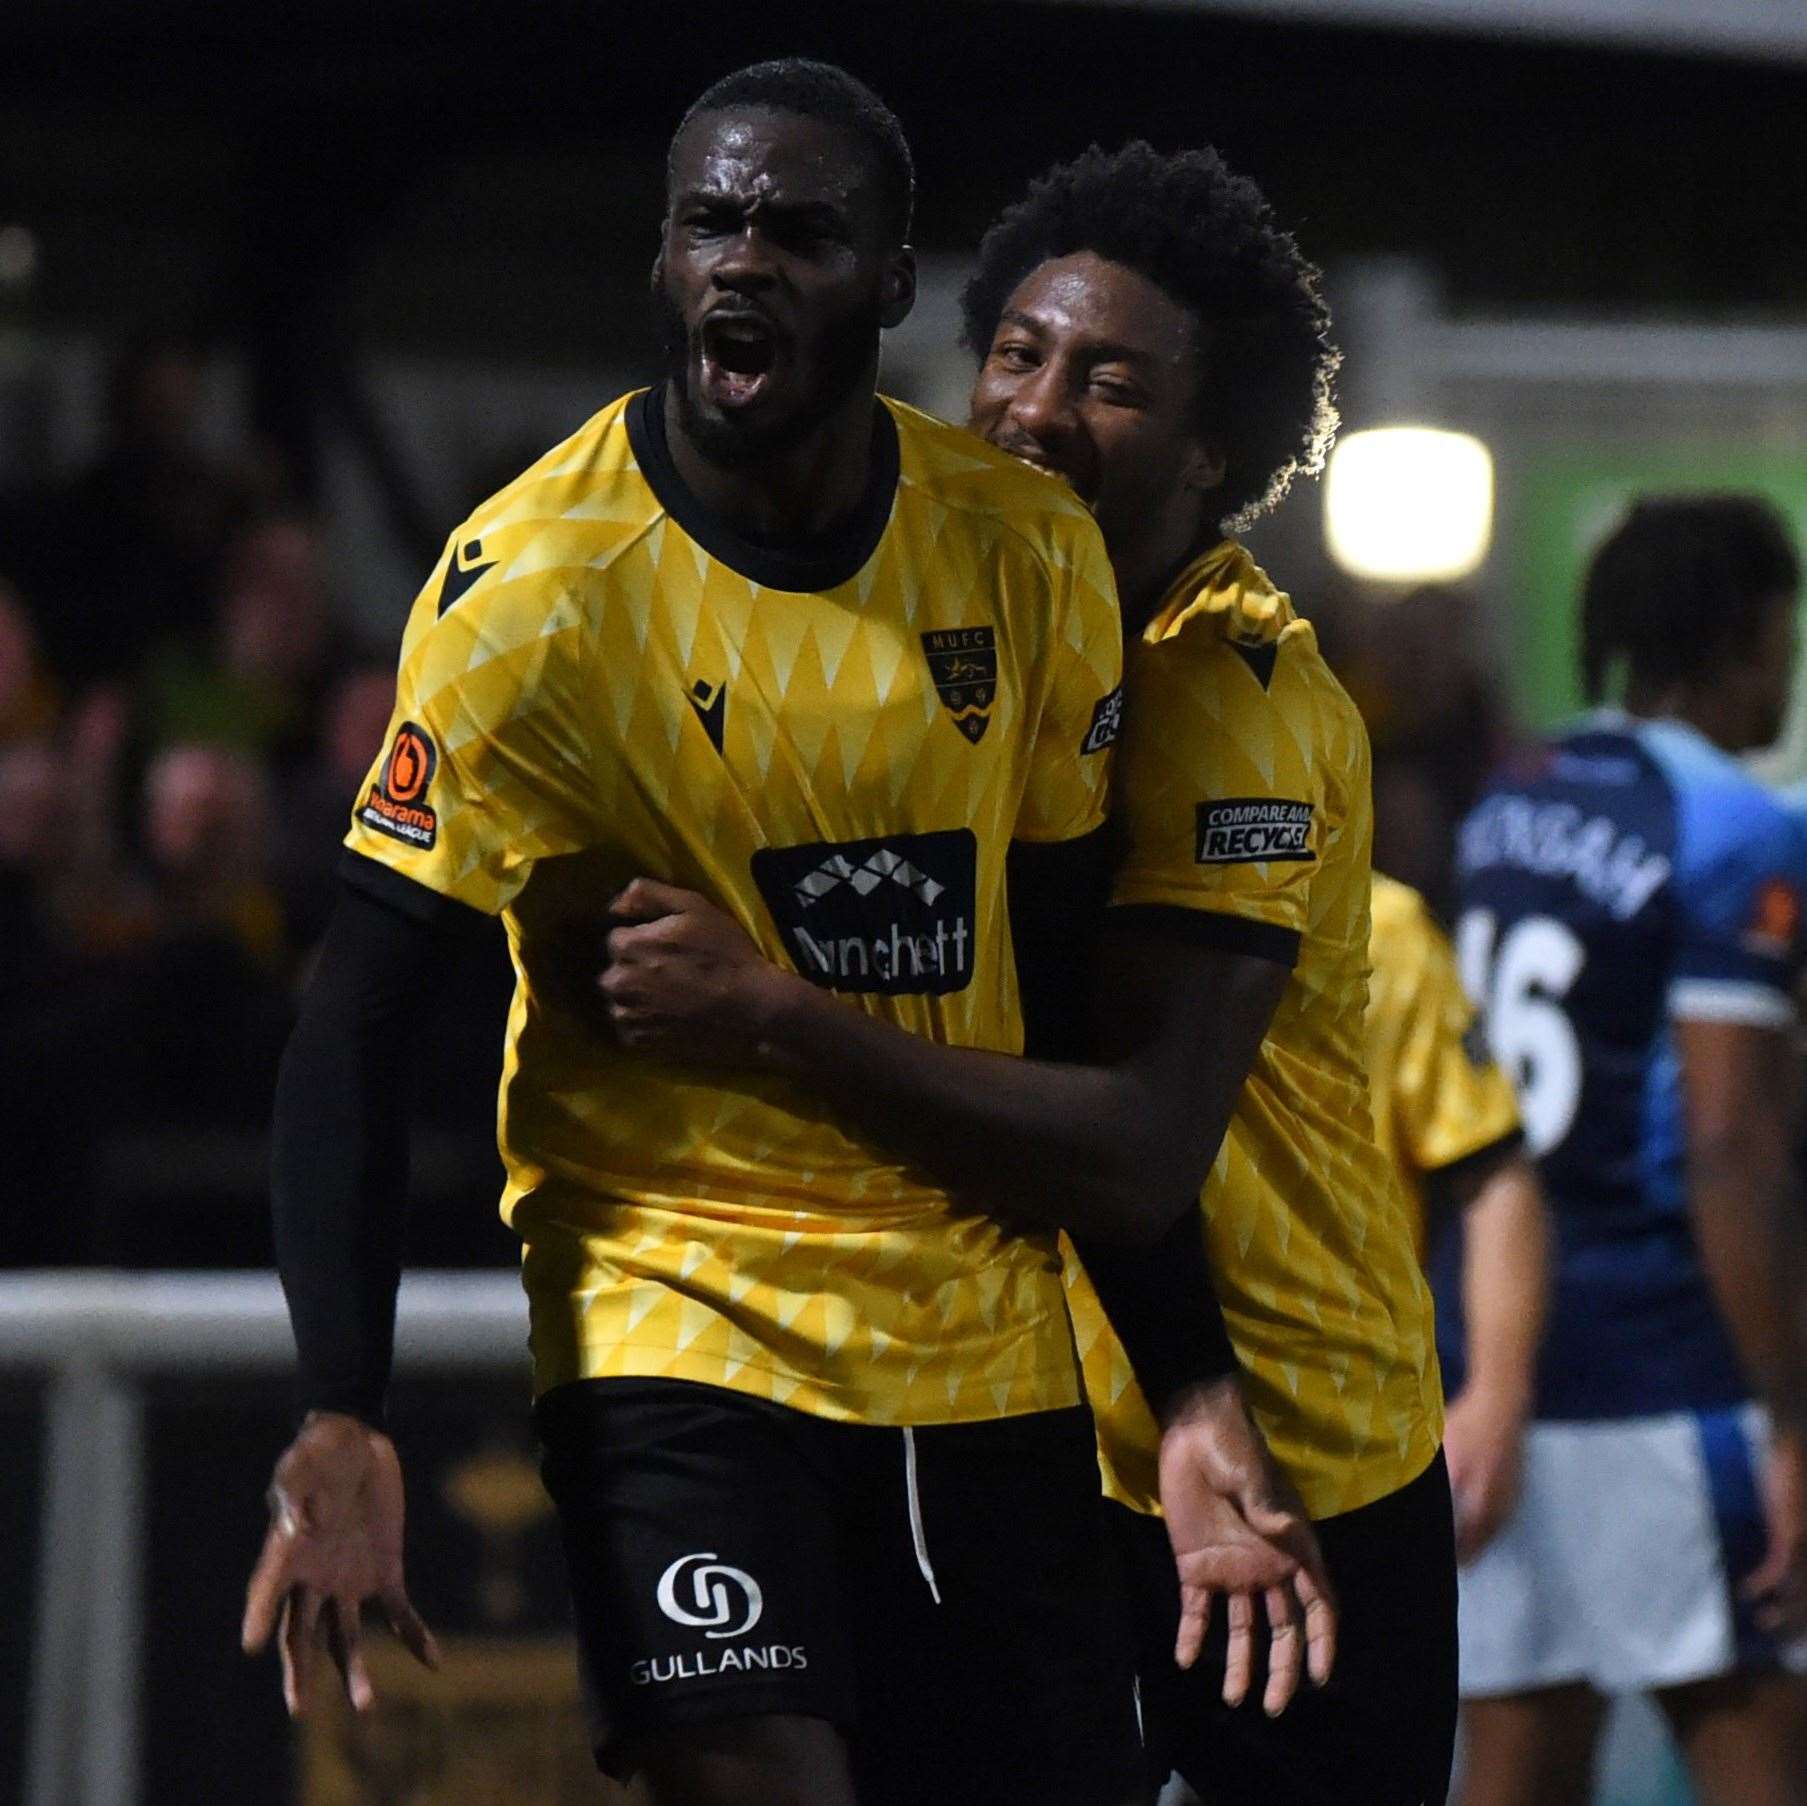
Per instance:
x=944, y=1593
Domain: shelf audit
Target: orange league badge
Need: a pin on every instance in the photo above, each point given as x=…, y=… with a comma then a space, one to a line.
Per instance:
x=395, y=806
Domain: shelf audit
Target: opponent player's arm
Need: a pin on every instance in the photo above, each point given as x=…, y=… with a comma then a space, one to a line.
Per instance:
x=1505, y=1276
x=1738, y=1089
x=1505, y=1296
x=1738, y=1085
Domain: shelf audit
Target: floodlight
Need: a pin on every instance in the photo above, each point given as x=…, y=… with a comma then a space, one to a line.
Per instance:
x=1409, y=504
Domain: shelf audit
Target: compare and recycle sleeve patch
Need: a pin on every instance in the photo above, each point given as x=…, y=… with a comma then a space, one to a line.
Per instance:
x=1107, y=723
x=1249, y=830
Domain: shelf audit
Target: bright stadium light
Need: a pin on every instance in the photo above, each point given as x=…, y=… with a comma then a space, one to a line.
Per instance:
x=1409, y=504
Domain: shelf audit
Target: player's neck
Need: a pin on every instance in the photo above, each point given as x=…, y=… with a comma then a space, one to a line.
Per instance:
x=1148, y=570
x=1712, y=713
x=796, y=494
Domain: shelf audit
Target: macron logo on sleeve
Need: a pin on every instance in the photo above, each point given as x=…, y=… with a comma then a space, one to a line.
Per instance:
x=1254, y=830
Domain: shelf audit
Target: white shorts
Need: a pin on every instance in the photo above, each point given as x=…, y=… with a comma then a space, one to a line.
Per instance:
x=1621, y=1564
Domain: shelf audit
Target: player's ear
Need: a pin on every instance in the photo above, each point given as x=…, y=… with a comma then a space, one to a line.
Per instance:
x=1205, y=466
x=897, y=287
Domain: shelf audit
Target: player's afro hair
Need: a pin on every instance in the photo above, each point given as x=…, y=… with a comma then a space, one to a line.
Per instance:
x=1680, y=582
x=1208, y=238
x=795, y=84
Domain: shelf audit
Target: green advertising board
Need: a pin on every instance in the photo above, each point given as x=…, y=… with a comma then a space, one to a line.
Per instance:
x=1564, y=503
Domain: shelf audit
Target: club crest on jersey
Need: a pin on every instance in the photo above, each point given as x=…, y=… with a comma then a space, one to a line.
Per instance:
x=963, y=661
x=896, y=916
x=1254, y=830
x=397, y=804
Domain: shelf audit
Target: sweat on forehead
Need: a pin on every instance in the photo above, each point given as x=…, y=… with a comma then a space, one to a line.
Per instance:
x=761, y=153
x=780, y=95
x=772, y=136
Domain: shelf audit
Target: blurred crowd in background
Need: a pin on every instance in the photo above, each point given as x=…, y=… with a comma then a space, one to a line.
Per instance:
x=185, y=717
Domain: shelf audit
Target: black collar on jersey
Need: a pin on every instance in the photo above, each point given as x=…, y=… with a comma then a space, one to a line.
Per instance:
x=805, y=565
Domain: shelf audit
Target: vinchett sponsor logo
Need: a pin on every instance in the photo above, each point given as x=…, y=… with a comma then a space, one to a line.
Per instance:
x=1107, y=723
x=702, y=1592
x=1247, y=830
x=396, y=805
x=894, y=916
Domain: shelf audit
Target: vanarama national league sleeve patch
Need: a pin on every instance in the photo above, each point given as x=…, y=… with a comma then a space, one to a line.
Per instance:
x=1250, y=830
x=397, y=804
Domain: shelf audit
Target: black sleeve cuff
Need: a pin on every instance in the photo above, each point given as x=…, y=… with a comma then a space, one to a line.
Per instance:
x=366, y=1406
x=1210, y=928
x=1164, y=1308
x=1471, y=1169
x=407, y=896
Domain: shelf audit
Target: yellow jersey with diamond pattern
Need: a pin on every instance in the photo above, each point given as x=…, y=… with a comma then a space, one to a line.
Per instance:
x=1243, y=787
x=1439, y=1097
x=836, y=746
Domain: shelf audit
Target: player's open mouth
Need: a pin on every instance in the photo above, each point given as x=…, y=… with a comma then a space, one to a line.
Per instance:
x=739, y=350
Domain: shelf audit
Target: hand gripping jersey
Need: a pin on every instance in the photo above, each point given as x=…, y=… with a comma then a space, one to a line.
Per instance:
x=1440, y=1099
x=1243, y=783
x=837, y=747
x=1631, y=875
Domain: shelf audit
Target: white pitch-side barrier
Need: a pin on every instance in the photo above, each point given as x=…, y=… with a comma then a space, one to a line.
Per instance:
x=96, y=1336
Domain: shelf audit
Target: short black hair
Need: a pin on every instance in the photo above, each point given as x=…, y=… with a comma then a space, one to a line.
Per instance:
x=795, y=84
x=1680, y=582
x=1208, y=238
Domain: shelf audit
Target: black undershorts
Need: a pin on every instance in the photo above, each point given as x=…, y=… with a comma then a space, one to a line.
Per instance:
x=1381, y=1732
x=944, y=1594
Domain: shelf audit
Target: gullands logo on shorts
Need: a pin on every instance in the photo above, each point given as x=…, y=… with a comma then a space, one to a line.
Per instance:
x=720, y=1600
x=894, y=916
x=704, y=1593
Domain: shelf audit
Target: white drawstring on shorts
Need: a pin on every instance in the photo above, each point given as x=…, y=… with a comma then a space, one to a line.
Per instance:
x=916, y=1535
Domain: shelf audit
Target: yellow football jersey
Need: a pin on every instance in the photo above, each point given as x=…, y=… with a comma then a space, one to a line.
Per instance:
x=1243, y=785
x=601, y=680
x=1439, y=1098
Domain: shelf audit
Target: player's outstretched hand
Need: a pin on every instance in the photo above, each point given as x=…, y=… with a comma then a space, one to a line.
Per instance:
x=1483, y=1442
x=1239, y=1528
x=1779, y=1584
x=683, y=978
x=335, y=1540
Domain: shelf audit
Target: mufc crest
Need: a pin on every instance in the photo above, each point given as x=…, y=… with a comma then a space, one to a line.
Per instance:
x=963, y=661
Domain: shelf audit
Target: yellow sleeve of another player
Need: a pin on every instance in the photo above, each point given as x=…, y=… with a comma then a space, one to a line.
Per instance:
x=1221, y=782
x=1081, y=709
x=486, y=767
x=1449, y=1099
